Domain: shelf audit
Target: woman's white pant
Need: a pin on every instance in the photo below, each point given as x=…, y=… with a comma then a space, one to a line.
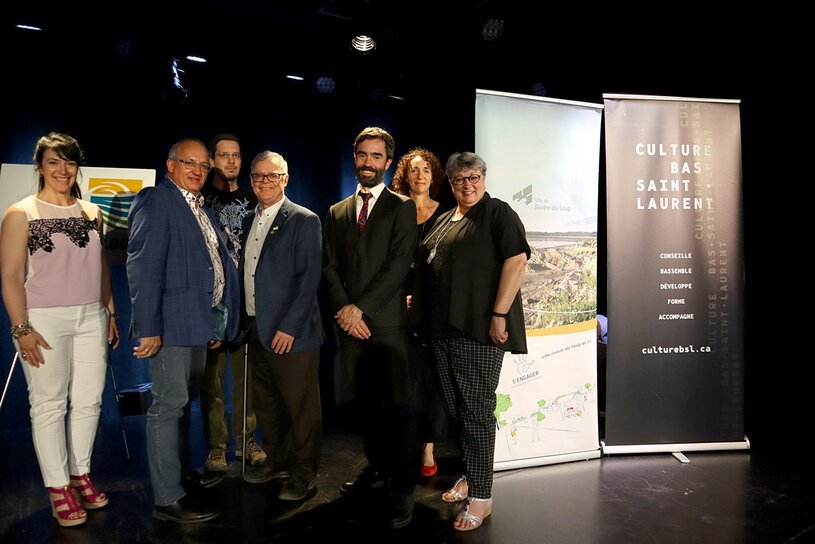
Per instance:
x=71, y=381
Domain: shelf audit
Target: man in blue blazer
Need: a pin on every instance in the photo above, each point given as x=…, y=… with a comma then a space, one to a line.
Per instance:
x=185, y=297
x=280, y=269
x=369, y=241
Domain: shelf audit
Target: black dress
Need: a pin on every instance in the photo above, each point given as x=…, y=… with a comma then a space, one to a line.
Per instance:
x=434, y=420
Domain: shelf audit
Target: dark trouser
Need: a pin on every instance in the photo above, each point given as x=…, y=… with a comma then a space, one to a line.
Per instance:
x=434, y=419
x=286, y=397
x=380, y=372
x=469, y=373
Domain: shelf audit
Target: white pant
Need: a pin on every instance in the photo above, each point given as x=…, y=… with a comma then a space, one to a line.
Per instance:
x=74, y=371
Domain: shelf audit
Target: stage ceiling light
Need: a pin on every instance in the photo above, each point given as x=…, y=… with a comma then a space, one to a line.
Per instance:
x=325, y=84
x=493, y=30
x=363, y=44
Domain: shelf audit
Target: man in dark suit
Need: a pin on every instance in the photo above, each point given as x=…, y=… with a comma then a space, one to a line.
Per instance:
x=369, y=242
x=185, y=294
x=280, y=270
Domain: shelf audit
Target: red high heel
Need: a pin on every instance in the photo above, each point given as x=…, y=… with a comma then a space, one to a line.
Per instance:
x=428, y=471
x=65, y=508
x=91, y=497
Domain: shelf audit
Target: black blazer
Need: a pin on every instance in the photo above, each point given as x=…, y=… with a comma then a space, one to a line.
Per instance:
x=370, y=269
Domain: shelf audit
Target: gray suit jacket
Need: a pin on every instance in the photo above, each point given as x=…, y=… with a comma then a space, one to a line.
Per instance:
x=287, y=278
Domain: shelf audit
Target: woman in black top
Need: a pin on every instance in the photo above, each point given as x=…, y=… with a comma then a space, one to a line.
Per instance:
x=419, y=175
x=470, y=268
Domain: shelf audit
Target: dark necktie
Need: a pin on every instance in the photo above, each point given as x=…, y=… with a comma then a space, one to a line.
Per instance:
x=363, y=213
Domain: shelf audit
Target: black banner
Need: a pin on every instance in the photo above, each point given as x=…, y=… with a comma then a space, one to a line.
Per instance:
x=675, y=271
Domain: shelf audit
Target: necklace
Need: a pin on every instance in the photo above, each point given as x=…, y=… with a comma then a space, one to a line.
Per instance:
x=443, y=231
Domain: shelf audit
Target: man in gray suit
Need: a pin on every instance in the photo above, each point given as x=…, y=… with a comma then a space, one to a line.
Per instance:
x=369, y=241
x=280, y=267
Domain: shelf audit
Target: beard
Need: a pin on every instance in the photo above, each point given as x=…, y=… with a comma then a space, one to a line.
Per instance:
x=379, y=175
x=226, y=176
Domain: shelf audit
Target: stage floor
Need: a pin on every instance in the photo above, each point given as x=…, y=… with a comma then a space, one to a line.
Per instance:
x=763, y=496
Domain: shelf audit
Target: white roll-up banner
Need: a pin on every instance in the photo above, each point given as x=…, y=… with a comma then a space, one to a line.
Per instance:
x=542, y=158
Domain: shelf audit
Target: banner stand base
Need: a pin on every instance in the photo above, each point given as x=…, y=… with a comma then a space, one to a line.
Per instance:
x=679, y=456
x=674, y=448
x=546, y=460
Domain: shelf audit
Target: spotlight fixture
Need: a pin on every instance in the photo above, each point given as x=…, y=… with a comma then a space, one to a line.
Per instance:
x=362, y=43
x=28, y=27
x=295, y=77
x=493, y=30
x=325, y=84
x=195, y=58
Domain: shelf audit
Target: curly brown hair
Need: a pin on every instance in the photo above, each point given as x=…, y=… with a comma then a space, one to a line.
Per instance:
x=400, y=178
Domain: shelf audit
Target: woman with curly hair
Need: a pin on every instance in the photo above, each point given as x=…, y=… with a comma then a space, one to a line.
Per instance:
x=419, y=175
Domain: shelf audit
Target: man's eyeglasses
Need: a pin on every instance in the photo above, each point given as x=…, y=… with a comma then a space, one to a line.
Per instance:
x=473, y=179
x=226, y=155
x=192, y=165
x=273, y=177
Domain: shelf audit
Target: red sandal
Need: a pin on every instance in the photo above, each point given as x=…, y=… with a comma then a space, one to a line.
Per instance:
x=91, y=497
x=65, y=507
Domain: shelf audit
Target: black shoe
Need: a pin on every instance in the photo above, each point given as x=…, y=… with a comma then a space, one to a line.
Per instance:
x=196, y=480
x=185, y=510
x=401, y=511
x=296, y=489
x=264, y=474
x=368, y=480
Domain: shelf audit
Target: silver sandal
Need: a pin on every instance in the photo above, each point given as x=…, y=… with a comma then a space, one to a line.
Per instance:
x=454, y=493
x=472, y=522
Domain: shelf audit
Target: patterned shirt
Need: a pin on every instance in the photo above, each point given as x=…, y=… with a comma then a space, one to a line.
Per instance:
x=230, y=208
x=196, y=202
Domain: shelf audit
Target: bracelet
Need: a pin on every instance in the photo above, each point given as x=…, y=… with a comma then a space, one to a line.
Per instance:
x=22, y=329
x=497, y=314
x=114, y=315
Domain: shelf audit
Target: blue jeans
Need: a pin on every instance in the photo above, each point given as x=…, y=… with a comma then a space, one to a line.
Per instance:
x=176, y=373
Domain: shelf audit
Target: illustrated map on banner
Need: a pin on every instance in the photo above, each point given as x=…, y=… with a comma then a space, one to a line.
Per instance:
x=536, y=416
